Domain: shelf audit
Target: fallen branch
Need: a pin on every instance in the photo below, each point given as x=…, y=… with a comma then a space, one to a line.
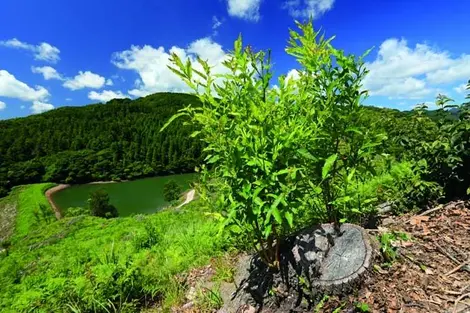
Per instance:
x=439, y=207
x=441, y=250
x=459, y=299
x=457, y=268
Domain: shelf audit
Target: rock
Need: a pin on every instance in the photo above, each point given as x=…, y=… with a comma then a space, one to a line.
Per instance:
x=246, y=309
x=387, y=221
x=188, y=305
x=385, y=207
x=192, y=293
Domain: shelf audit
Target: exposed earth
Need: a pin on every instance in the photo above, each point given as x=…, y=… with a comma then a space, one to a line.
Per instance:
x=430, y=274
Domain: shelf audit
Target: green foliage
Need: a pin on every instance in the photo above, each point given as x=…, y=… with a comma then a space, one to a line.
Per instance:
x=321, y=304
x=99, y=204
x=444, y=147
x=208, y=300
x=114, y=141
x=89, y=264
x=72, y=212
x=400, y=184
x=30, y=201
x=171, y=191
x=362, y=307
x=272, y=149
x=387, y=247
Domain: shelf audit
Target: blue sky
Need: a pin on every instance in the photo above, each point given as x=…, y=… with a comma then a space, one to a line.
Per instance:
x=60, y=53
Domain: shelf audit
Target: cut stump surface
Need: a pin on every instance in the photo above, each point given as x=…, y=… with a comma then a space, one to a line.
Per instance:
x=333, y=263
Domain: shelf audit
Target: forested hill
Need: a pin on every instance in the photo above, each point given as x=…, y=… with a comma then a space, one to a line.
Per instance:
x=117, y=140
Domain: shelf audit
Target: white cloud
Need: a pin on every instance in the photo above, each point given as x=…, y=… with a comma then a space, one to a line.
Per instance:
x=109, y=82
x=400, y=71
x=12, y=88
x=459, y=69
x=85, y=80
x=22, y=107
x=152, y=65
x=68, y=99
x=216, y=23
x=461, y=88
x=105, y=95
x=47, y=71
x=308, y=8
x=292, y=74
x=2, y=105
x=39, y=107
x=244, y=9
x=44, y=51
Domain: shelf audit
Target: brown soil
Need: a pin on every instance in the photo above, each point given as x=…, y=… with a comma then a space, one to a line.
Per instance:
x=49, y=193
x=431, y=274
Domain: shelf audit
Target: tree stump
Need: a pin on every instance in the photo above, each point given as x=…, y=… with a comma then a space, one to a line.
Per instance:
x=314, y=262
x=333, y=263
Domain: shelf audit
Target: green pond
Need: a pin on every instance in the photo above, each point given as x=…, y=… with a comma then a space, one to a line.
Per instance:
x=131, y=197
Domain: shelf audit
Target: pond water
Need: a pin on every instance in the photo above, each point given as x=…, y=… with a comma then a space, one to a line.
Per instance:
x=138, y=196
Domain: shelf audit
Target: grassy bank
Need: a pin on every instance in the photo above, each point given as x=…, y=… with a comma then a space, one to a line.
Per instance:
x=85, y=264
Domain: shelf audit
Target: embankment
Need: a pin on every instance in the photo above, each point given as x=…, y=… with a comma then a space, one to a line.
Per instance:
x=49, y=193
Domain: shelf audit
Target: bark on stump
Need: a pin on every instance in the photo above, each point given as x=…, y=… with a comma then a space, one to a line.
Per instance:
x=333, y=264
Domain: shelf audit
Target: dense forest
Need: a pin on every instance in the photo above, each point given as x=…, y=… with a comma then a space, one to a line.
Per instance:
x=114, y=141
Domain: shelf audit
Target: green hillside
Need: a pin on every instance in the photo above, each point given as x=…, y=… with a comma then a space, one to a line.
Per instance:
x=117, y=140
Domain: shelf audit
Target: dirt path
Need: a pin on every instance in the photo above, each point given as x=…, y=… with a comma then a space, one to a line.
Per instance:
x=49, y=193
x=189, y=197
x=7, y=219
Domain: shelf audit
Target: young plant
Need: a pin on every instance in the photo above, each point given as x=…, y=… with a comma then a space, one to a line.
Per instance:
x=271, y=150
x=342, y=150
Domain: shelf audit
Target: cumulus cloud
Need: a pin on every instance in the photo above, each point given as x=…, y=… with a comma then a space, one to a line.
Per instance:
x=308, y=8
x=401, y=71
x=2, y=105
x=85, y=80
x=13, y=88
x=244, y=9
x=47, y=71
x=105, y=95
x=40, y=107
x=109, y=82
x=43, y=51
x=152, y=65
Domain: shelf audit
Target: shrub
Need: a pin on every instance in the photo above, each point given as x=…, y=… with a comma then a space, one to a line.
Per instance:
x=275, y=149
x=171, y=191
x=99, y=205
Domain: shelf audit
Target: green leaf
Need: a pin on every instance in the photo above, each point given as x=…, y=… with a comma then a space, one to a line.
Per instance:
x=277, y=215
x=174, y=117
x=350, y=176
x=290, y=218
x=268, y=230
x=304, y=153
x=468, y=191
x=213, y=159
x=328, y=164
